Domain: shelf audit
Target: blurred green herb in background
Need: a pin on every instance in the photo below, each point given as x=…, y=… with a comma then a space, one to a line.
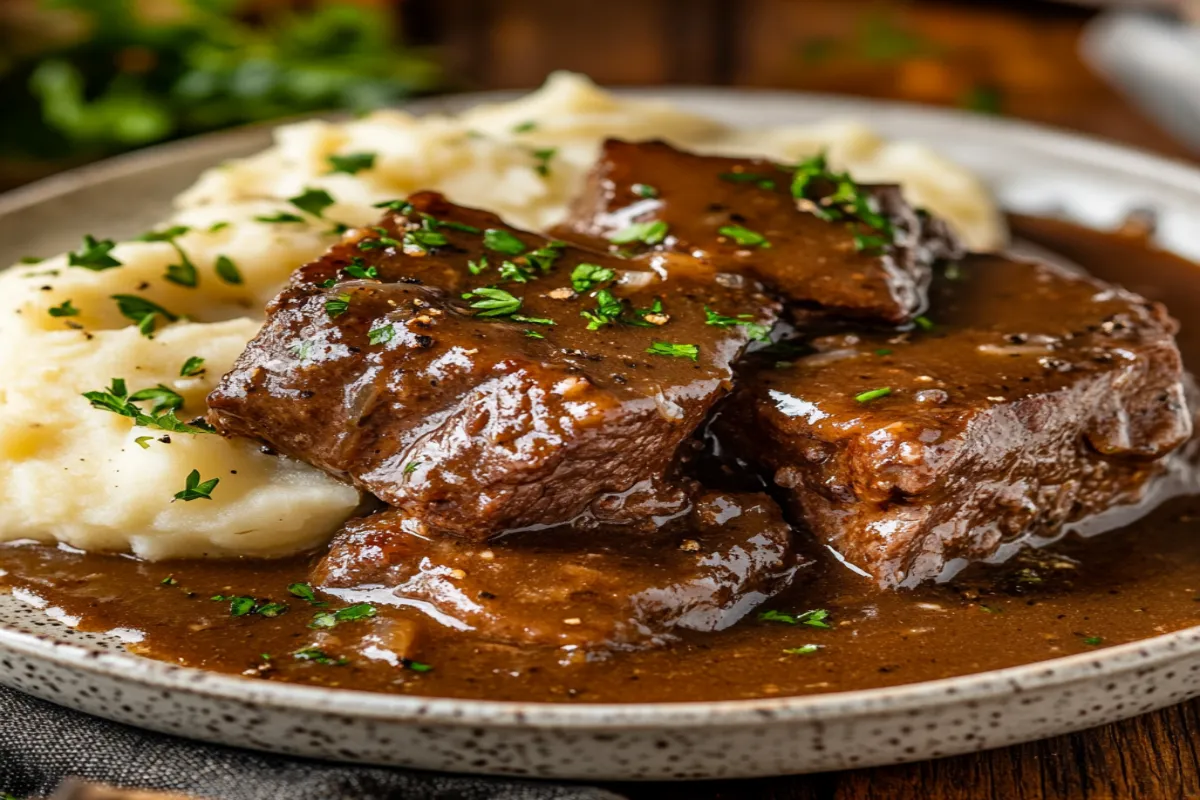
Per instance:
x=81, y=79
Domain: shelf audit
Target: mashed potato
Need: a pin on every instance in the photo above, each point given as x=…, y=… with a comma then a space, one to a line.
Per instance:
x=93, y=479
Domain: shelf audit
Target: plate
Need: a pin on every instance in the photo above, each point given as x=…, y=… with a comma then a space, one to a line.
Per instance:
x=1031, y=169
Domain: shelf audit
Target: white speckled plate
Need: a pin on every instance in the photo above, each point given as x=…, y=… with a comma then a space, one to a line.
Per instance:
x=1031, y=169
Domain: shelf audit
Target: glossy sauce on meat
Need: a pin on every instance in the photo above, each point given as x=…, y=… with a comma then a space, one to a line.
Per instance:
x=1072, y=597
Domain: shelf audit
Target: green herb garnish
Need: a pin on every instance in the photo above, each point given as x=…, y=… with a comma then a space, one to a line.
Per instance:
x=279, y=217
x=192, y=367
x=802, y=650
x=501, y=241
x=305, y=592
x=94, y=255
x=757, y=178
x=873, y=394
x=755, y=330
x=744, y=236
x=227, y=270
x=644, y=190
x=318, y=656
x=652, y=232
x=492, y=302
x=162, y=398
x=815, y=618
x=542, y=158
x=350, y=163
x=924, y=323
x=195, y=490
x=313, y=201
x=674, y=350
x=337, y=306
x=142, y=312
x=328, y=619
x=517, y=273
x=184, y=273
x=608, y=309
x=585, y=276
x=63, y=309
x=381, y=335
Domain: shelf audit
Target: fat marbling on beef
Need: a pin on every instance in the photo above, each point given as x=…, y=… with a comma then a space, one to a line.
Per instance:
x=813, y=235
x=1030, y=399
x=483, y=378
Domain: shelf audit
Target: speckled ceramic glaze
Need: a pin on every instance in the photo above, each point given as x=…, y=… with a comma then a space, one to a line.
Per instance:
x=1031, y=169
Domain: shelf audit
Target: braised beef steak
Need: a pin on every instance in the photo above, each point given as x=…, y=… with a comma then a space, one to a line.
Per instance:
x=485, y=378
x=610, y=588
x=815, y=236
x=1033, y=399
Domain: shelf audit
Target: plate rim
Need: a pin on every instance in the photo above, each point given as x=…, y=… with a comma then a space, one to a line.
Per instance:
x=1039, y=675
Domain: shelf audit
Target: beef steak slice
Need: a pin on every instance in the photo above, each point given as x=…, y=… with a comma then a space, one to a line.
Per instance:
x=482, y=377
x=1036, y=399
x=609, y=589
x=852, y=250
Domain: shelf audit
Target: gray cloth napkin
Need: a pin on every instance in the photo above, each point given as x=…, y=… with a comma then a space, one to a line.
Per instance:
x=42, y=744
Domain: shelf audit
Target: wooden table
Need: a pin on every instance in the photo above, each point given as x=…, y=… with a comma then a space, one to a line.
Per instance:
x=1015, y=58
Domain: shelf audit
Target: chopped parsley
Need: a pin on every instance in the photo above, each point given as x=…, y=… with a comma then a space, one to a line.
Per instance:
x=644, y=190
x=396, y=206
x=305, y=592
x=241, y=606
x=350, y=163
x=162, y=398
x=337, y=306
x=524, y=127
x=168, y=581
x=755, y=330
x=279, y=217
x=586, y=275
x=492, y=302
x=883, y=351
x=359, y=269
x=195, y=490
x=834, y=196
x=420, y=242
x=143, y=442
x=142, y=312
x=328, y=619
x=313, y=201
x=534, y=334
x=184, y=273
x=411, y=467
x=501, y=241
x=381, y=335
x=802, y=650
x=651, y=232
x=415, y=666
x=815, y=618
x=1092, y=641
x=674, y=350
x=271, y=609
x=192, y=367
x=318, y=656
x=227, y=270
x=517, y=273
x=30, y=260
x=451, y=224
x=923, y=322
x=873, y=394
x=608, y=309
x=533, y=320
x=94, y=255
x=757, y=178
x=542, y=157
x=544, y=257
x=63, y=309
x=744, y=236
x=476, y=267
x=217, y=226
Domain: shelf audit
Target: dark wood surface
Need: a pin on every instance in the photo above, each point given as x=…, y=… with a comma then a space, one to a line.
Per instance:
x=1019, y=58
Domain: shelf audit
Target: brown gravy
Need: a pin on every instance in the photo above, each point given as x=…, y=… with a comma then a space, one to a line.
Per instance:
x=1073, y=597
